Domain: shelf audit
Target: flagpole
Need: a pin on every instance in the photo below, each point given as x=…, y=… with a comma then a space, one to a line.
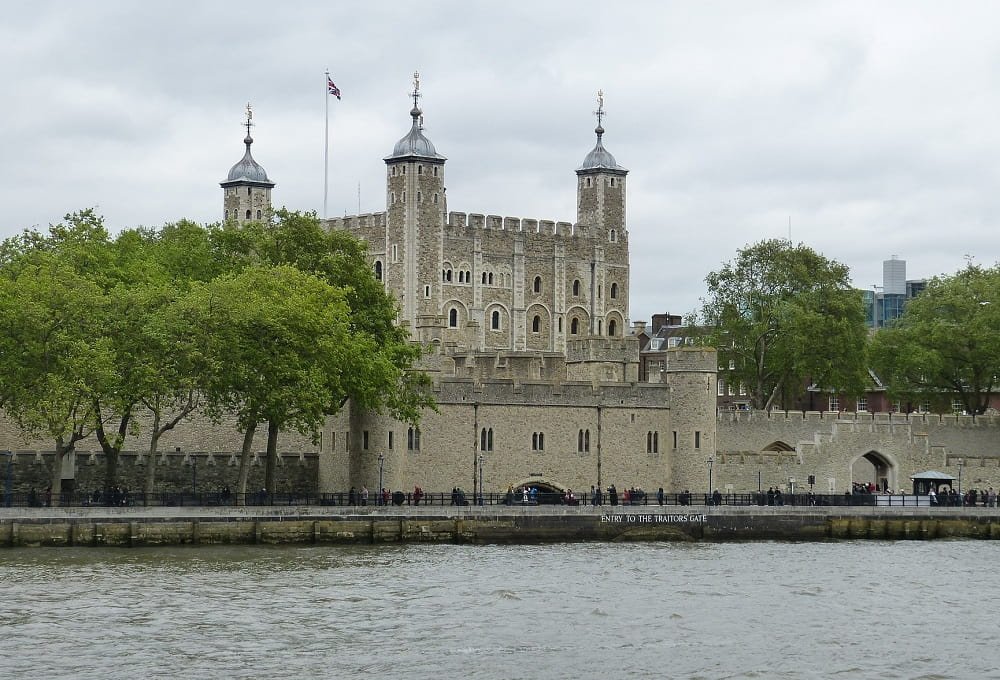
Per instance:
x=326, y=141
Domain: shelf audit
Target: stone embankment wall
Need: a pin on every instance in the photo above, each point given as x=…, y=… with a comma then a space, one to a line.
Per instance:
x=176, y=526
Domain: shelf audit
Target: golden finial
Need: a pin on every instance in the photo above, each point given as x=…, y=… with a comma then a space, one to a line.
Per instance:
x=249, y=123
x=600, y=107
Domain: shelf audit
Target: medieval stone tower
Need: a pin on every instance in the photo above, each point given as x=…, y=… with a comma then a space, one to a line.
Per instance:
x=246, y=193
x=473, y=283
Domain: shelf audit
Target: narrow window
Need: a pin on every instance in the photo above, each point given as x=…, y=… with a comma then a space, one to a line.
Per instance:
x=536, y=324
x=249, y=191
x=258, y=214
x=427, y=291
x=364, y=440
x=489, y=439
x=576, y=288
x=495, y=320
x=420, y=169
x=484, y=278
x=612, y=181
x=490, y=278
x=656, y=442
x=579, y=442
x=560, y=324
x=649, y=442
x=675, y=439
x=413, y=439
x=420, y=197
x=378, y=270
x=613, y=236
x=614, y=291
x=453, y=318
x=697, y=439
x=538, y=284
x=586, y=440
x=612, y=328
x=248, y=214
x=435, y=171
x=435, y=199
x=390, y=440
x=482, y=440
x=574, y=327
x=395, y=253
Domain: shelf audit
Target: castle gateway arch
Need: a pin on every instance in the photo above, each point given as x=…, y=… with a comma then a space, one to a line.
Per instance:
x=876, y=468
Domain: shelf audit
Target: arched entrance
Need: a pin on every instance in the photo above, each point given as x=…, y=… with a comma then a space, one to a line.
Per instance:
x=875, y=468
x=545, y=492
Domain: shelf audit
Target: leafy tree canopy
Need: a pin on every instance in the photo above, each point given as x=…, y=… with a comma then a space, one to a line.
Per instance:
x=784, y=316
x=947, y=342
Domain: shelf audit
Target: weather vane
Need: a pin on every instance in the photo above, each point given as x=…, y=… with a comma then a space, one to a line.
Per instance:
x=249, y=123
x=600, y=107
x=416, y=88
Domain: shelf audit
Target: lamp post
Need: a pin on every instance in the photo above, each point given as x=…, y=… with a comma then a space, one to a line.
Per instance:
x=961, y=464
x=194, y=476
x=481, y=502
x=710, y=461
x=8, y=482
x=381, y=467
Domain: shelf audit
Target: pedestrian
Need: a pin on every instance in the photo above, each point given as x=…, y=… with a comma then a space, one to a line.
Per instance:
x=659, y=496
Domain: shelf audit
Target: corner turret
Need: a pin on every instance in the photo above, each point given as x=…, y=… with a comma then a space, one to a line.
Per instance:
x=246, y=193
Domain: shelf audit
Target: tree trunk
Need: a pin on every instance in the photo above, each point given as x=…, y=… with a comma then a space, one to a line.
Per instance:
x=241, y=483
x=55, y=487
x=154, y=443
x=272, y=458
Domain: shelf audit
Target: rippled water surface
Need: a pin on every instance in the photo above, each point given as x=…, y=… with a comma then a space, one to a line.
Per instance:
x=750, y=610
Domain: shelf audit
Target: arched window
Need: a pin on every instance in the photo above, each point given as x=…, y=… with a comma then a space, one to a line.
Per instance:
x=586, y=440
x=574, y=327
x=453, y=318
x=576, y=288
x=378, y=270
x=614, y=291
x=486, y=439
x=495, y=320
x=536, y=324
x=227, y=214
x=537, y=286
x=537, y=441
x=484, y=278
x=420, y=169
x=249, y=191
x=490, y=278
x=560, y=324
x=613, y=236
x=248, y=214
x=612, y=328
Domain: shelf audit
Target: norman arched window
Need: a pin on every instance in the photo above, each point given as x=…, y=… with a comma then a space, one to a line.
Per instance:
x=453, y=318
x=612, y=328
x=574, y=327
x=378, y=270
x=537, y=286
x=486, y=439
x=536, y=324
x=484, y=278
x=576, y=288
x=495, y=320
x=248, y=214
x=613, y=236
x=614, y=291
x=258, y=214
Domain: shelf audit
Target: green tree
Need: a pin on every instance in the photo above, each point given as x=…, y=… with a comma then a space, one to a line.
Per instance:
x=945, y=345
x=783, y=315
x=53, y=356
x=271, y=343
x=383, y=378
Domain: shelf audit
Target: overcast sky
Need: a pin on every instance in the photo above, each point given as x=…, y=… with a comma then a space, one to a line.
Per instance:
x=872, y=128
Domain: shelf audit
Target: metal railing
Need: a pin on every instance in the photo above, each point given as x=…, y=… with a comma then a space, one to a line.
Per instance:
x=461, y=498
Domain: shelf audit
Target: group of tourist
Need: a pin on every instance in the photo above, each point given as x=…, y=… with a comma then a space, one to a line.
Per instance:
x=970, y=499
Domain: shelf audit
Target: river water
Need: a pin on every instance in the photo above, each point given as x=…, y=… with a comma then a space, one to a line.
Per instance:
x=864, y=609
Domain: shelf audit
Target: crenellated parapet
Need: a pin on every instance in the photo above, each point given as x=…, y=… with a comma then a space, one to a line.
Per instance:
x=356, y=222
x=461, y=220
x=844, y=417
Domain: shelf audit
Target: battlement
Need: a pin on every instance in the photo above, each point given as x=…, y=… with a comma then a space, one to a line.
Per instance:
x=355, y=222
x=517, y=224
x=691, y=359
x=912, y=419
x=546, y=393
x=600, y=348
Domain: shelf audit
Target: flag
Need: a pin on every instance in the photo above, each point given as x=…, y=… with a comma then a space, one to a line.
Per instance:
x=331, y=88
